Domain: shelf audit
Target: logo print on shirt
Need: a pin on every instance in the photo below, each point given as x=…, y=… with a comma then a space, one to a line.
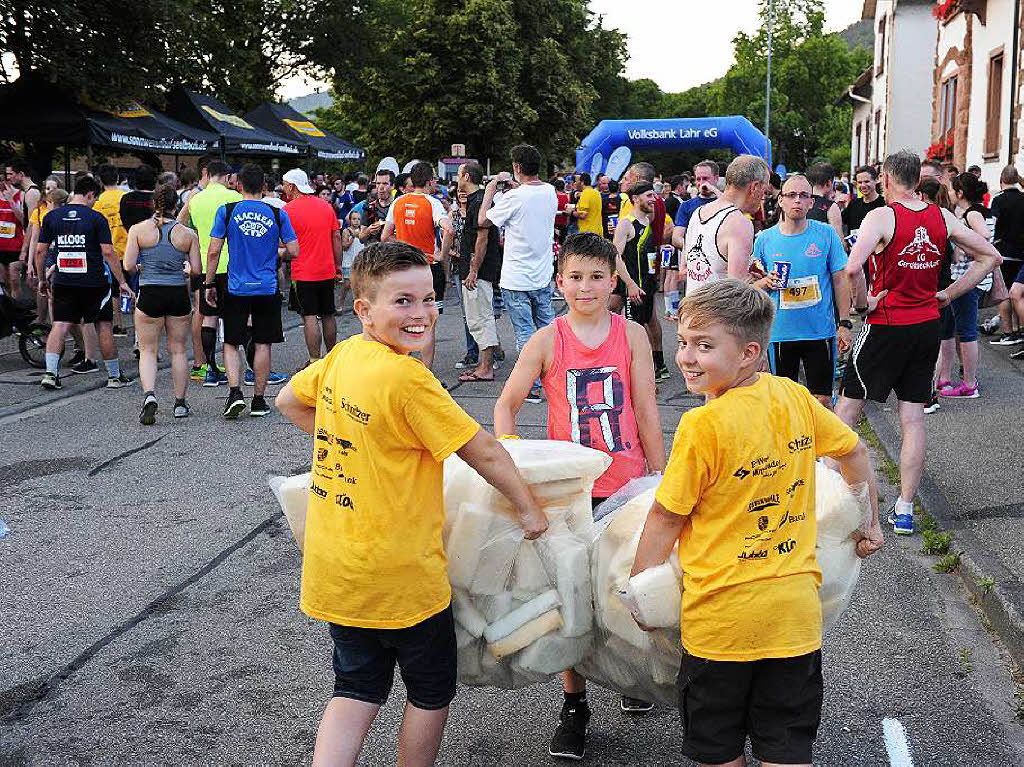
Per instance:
x=813, y=251
x=606, y=411
x=921, y=253
x=698, y=265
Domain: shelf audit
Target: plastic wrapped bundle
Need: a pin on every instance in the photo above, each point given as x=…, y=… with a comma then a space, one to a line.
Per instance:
x=840, y=511
x=293, y=495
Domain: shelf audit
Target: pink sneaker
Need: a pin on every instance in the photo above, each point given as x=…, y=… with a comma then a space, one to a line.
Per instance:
x=963, y=391
x=943, y=384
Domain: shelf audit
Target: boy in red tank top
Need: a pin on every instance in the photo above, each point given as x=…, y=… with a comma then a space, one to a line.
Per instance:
x=598, y=375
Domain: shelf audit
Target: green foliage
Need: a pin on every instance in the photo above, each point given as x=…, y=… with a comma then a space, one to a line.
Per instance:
x=936, y=542
x=948, y=563
x=986, y=585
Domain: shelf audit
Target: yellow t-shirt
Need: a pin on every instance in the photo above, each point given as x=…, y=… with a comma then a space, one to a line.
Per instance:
x=625, y=205
x=373, y=554
x=590, y=199
x=36, y=216
x=109, y=204
x=742, y=470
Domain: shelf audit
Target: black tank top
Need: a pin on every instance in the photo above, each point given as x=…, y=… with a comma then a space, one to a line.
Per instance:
x=635, y=254
x=819, y=208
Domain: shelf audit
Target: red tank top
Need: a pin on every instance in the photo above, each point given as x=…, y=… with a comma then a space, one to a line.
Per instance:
x=908, y=267
x=590, y=403
x=12, y=234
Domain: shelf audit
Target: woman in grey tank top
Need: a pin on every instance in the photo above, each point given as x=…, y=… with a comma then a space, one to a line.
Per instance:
x=161, y=250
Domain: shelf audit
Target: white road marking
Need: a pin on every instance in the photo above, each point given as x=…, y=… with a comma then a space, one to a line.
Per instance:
x=896, y=743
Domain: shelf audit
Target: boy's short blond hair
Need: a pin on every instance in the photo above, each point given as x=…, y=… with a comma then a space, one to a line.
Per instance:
x=377, y=261
x=746, y=312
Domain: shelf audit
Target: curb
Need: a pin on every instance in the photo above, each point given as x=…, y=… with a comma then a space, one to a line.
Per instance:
x=1003, y=604
x=21, y=407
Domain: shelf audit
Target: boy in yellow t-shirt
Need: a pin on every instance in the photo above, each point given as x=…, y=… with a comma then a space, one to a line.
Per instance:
x=374, y=563
x=738, y=495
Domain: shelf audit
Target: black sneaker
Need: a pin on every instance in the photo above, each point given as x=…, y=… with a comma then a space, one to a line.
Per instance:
x=570, y=738
x=118, y=383
x=1019, y=355
x=50, y=381
x=933, y=404
x=76, y=358
x=84, y=366
x=630, y=705
x=259, y=407
x=148, y=415
x=120, y=332
x=536, y=396
x=662, y=373
x=235, y=405
x=467, y=362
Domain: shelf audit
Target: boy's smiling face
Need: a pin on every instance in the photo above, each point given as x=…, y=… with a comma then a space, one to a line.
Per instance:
x=401, y=310
x=586, y=283
x=713, y=360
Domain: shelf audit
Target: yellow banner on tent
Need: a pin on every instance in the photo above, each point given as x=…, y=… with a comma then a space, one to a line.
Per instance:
x=305, y=127
x=235, y=120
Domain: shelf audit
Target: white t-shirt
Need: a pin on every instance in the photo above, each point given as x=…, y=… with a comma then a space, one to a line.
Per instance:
x=274, y=202
x=527, y=214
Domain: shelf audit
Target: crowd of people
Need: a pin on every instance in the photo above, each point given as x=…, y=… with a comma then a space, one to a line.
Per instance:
x=759, y=274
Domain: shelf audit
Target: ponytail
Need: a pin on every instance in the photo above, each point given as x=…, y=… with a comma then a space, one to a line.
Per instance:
x=165, y=199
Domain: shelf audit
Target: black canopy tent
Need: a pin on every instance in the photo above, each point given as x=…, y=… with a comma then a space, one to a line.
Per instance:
x=35, y=110
x=238, y=136
x=285, y=121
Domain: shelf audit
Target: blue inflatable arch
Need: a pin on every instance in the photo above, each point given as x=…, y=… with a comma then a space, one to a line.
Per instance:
x=683, y=133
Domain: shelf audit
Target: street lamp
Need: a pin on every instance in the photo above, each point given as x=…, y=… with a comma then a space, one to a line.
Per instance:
x=768, y=80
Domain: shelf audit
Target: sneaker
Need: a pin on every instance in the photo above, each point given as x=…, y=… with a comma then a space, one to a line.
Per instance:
x=499, y=355
x=148, y=415
x=259, y=407
x=198, y=372
x=635, y=705
x=902, y=524
x=120, y=332
x=944, y=384
x=662, y=373
x=1018, y=355
x=249, y=377
x=570, y=738
x=50, y=381
x=276, y=379
x=1009, y=339
x=963, y=391
x=182, y=410
x=933, y=405
x=989, y=326
x=536, y=396
x=467, y=362
x=235, y=406
x=85, y=366
x=119, y=382
x=212, y=378
x=77, y=357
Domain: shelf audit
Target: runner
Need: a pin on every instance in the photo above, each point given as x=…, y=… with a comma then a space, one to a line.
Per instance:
x=706, y=176
x=318, y=264
x=720, y=236
x=81, y=288
x=157, y=250
x=1008, y=209
x=109, y=205
x=12, y=232
x=253, y=229
x=899, y=345
x=811, y=257
x=19, y=176
x=823, y=208
x=637, y=267
x=588, y=206
x=375, y=212
x=413, y=219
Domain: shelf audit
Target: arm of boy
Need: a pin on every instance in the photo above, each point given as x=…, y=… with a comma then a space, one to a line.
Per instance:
x=492, y=462
x=295, y=410
x=645, y=406
x=529, y=367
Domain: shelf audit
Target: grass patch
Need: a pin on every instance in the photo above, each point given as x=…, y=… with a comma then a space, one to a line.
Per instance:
x=966, y=660
x=986, y=585
x=948, y=563
x=936, y=542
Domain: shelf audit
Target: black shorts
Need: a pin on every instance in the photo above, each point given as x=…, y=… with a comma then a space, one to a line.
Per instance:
x=220, y=282
x=1013, y=271
x=817, y=357
x=888, y=358
x=75, y=304
x=364, y=662
x=265, y=312
x=642, y=312
x=315, y=298
x=8, y=257
x=164, y=301
x=437, y=272
x=775, y=701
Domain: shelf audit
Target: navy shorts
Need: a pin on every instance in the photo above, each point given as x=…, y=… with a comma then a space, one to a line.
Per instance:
x=364, y=661
x=960, y=318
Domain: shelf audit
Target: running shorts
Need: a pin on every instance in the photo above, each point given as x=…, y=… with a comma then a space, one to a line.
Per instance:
x=817, y=358
x=315, y=298
x=78, y=305
x=893, y=358
x=265, y=313
x=164, y=301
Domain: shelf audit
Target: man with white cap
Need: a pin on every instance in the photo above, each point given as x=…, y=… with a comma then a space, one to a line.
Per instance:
x=318, y=263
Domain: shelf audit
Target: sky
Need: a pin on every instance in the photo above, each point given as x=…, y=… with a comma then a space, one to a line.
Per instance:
x=705, y=27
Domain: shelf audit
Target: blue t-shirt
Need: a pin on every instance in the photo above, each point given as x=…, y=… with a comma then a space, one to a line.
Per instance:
x=76, y=234
x=252, y=237
x=687, y=207
x=804, y=309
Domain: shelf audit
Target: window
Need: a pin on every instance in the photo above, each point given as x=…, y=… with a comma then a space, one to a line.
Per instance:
x=947, y=107
x=880, y=66
x=867, y=140
x=857, y=138
x=878, y=134
x=995, y=100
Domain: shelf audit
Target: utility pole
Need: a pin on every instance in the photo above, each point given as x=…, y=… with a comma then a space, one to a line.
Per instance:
x=768, y=81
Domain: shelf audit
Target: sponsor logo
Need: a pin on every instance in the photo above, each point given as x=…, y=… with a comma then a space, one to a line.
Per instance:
x=352, y=411
x=792, y=488
x=252, y=224
x=323, y=435
x=762, y=523
x=803, y=442
x=760, y=554
x=318, y=491
x=344, y=446
x=741, y=473
x=763, y=466
x=760, y=504
x=344, y=501
x=74, y=214
x=921, y=253
x=786, y=546
x=797, y=517
x=321, y=453
x=813, y=251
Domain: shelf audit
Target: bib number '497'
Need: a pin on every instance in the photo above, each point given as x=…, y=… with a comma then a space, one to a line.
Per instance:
x=802, y=293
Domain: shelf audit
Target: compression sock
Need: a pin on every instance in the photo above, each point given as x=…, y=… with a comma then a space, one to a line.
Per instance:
x=209, y=338
x=576, y=698
x=659, y=359
x=113, y=367
x=52, y=363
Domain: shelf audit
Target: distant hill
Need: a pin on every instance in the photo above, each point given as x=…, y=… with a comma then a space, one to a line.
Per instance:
x=311, y=102
x=860, y=34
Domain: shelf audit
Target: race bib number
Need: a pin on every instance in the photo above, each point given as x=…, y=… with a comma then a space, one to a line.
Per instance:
x=72, y=263
x=802, y=293
x=8, y=229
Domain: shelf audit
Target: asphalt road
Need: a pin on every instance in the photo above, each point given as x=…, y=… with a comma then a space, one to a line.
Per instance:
x=150, y=608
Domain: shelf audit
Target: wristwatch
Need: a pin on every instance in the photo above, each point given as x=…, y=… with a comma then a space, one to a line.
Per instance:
x=846, y=324
x=861, y=310
x=209, y=285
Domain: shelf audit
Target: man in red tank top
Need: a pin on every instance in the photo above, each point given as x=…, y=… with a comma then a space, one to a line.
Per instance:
x=903, y=244
x=12, y=232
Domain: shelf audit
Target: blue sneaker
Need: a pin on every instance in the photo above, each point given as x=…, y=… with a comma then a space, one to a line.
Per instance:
x=273, y=378
x=212, y=377
x=249, y=379
x=902, y=524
